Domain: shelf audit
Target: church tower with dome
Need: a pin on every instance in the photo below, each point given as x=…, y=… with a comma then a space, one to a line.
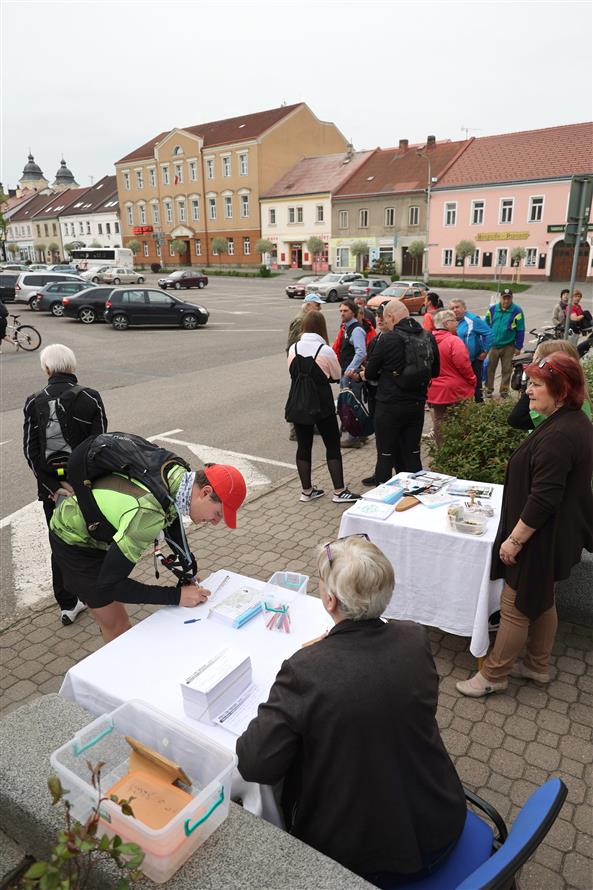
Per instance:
x=64, y=178
x=33, y=177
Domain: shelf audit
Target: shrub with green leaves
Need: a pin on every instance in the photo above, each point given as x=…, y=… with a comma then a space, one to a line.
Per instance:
x=476, y=442
x=79, y=846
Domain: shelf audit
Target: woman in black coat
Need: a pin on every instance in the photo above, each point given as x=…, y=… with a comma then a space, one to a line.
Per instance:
x=350, y=728
x=546, y=522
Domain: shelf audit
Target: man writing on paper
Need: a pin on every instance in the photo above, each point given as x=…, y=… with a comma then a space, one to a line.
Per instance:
x=100, y=570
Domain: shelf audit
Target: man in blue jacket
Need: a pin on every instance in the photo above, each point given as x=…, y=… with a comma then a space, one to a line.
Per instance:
x=508, y=333
x=477, y=336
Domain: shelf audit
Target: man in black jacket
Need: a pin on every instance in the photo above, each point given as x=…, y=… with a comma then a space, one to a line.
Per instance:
x=403, y=362
x=58, y=418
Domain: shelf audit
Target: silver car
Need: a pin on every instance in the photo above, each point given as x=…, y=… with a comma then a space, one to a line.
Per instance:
x=367, y=287
x=121, y=276
x=333, y=287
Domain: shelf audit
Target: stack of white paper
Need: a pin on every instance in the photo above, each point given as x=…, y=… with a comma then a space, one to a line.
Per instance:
x=215, y=684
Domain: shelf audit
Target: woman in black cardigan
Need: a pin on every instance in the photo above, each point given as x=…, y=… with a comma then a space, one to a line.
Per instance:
x=546, y=522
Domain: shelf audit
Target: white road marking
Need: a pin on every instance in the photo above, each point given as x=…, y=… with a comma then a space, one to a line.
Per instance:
x=31, y=557
x=243, y=462
x=6, y=442
x=168, y=433
x=249, y=331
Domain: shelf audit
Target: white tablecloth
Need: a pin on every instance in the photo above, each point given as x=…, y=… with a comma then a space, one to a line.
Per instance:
x=149, y=661
x=442, y=577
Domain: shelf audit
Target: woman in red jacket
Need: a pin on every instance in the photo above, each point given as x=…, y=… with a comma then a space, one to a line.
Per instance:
x=456, y=380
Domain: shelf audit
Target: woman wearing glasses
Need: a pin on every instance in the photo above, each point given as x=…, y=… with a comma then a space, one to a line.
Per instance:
x=546, y=522
x=350, y=729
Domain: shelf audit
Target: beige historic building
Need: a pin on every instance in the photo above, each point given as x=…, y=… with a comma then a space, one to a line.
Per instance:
x=384, y=205
x=194, y=184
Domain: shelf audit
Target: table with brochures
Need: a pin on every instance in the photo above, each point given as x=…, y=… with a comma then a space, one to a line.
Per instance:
x=150, y=661
x=442, y=577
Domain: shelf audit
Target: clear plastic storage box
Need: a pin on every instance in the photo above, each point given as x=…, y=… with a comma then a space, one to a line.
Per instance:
x=208, y=765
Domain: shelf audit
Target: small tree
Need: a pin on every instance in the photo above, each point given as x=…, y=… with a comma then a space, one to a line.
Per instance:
x=315, y=246
x=12, y=248
x=518, y=254
x=416, y=250
x=39, y=247
x=464, y=249
x=70, y=246
x=54, y=248
x=95, y=243
x=219, y=246
x=359, y=249
x=264, y=246
x=134, y=245
x=179, y=246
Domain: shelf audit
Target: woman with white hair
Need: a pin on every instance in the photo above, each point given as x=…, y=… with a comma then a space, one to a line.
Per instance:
x=350, y=728
x=57, y=418
x=456, y=380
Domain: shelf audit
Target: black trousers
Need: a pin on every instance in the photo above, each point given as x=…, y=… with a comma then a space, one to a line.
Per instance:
x=477, y=365
x=65, y=599
x=330, y=433
x=398, y=431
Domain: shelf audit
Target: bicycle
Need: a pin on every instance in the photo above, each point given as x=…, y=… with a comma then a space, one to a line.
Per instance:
x=24, y=336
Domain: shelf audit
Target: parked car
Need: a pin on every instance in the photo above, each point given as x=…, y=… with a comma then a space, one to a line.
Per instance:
x=87, y=305
x=298, y=288
x=412, y=297
x=128, y=306
x=14, y=267
x=333, y=286
x=367, y=287
x=183, y=278
x=29, y=284
x=419, y=284
x=94, y=273
x=63, y=267
x=7, y=283
x=50, y=298
x=119, y=275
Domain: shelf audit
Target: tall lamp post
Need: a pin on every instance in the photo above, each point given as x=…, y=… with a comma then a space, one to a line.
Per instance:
x=421, y=154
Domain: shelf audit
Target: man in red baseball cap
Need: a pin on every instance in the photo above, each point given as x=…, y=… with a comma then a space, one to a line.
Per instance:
x=219, y=495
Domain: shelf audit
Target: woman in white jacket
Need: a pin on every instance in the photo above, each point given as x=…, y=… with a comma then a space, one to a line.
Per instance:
x=314, y=344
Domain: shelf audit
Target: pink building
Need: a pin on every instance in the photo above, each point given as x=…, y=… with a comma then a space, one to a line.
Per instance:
x=506, y=192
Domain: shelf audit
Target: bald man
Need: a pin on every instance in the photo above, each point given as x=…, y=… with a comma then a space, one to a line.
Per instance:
x=404, y=361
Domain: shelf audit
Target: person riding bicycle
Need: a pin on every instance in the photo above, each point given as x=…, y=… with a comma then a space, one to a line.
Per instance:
x=57, y=418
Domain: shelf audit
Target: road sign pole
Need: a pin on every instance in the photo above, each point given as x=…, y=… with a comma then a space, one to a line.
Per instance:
x=577, y=247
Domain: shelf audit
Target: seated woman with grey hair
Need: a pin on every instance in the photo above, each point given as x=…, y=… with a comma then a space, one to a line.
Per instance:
x=456, y=380
x=350, y=730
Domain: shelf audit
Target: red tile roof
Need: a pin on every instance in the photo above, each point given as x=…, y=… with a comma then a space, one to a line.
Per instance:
x=554, y=152
x=105, y=190
x=232, y=129
x=392, y=170
x=311, y=176
x=28, y=210
x=60, y=203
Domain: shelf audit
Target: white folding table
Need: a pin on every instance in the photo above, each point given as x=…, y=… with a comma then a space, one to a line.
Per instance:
x=442, y=577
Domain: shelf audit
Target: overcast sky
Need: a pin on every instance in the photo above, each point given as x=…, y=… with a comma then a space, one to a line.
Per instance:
x=94, y=80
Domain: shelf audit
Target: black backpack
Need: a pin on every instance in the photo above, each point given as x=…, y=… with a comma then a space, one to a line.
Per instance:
x=57, y=433
x=140, y=461
x=420, y=355
x=305, y=403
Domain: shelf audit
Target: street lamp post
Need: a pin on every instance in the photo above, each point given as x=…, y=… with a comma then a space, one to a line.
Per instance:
x=428, y=193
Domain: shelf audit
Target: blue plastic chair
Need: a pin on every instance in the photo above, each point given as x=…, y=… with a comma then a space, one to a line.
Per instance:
x=482, y=860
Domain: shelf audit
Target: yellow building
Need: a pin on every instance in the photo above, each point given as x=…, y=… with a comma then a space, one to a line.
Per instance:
x=198, y=183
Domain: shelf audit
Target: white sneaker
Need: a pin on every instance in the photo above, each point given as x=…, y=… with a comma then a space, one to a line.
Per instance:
x=69, y=616
x=312, y=495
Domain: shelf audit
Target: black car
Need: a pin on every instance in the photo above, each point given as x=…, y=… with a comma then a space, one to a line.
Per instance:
x=7, y=283
x=49, y=299
x=183, y=278
x=130, y=306
x=88, y=305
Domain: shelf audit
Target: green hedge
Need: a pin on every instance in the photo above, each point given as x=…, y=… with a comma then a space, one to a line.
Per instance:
x=476, y=441
x=476, y=285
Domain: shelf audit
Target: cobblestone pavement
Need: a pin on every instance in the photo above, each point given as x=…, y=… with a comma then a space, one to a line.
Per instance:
x=503, y=747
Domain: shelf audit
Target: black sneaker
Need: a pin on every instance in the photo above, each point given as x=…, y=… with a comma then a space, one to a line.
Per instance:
x=370, y=481
x=345, y=497
x=312, y=495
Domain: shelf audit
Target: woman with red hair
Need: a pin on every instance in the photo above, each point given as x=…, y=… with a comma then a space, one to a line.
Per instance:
x=546, y=521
